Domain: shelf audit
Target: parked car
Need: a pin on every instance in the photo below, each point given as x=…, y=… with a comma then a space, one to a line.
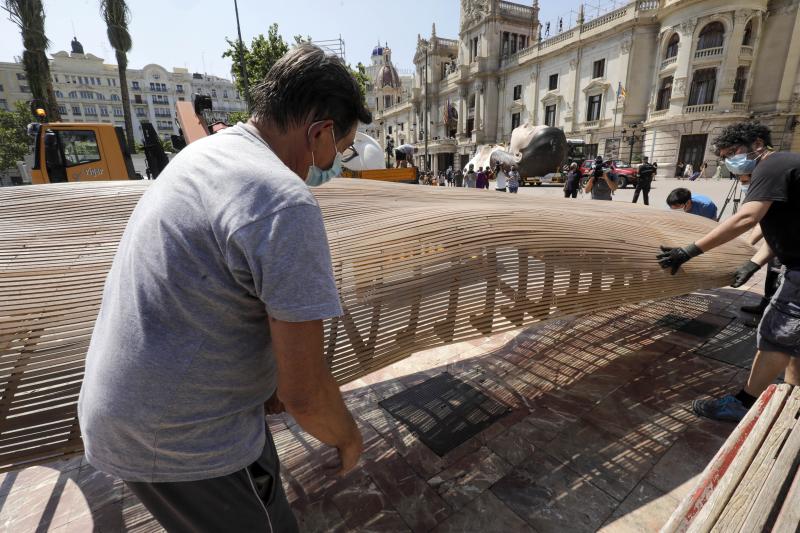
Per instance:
x=624, y=172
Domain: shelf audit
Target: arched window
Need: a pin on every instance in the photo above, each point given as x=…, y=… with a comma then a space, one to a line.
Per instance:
x=73, y=94
x=747, y=40
x=712, y=36
x=672, y=46
x=59, y=94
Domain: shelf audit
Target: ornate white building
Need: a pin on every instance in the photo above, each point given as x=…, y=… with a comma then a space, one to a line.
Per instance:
x=87, y=90
x=683, y=70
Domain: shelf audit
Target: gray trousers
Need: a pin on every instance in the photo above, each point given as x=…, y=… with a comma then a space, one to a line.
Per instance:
x=251, y=499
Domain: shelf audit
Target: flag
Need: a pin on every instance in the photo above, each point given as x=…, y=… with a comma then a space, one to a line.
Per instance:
x=621, y=90
x=446, y=114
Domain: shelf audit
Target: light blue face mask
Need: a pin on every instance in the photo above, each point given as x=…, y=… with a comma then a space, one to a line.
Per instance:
x=739, y=164
x=316, y=176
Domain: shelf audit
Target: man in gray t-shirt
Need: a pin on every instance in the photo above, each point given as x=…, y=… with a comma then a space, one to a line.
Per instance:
x=214, y=306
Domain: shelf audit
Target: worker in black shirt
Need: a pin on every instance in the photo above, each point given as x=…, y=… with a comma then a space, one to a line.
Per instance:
x=646, y=173
x=773, y=201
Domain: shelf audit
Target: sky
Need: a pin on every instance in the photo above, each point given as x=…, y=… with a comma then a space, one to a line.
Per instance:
x=191, y=33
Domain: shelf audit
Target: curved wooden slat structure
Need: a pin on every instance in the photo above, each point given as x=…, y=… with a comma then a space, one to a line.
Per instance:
x=416, y=267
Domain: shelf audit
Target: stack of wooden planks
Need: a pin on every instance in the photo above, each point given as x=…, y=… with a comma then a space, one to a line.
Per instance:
x=417, y=267
x=753, y=483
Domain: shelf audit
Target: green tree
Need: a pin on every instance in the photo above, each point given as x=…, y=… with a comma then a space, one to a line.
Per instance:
x=28, y=15
x=117, y=16
x=238, y=116
x=259, y=57
x=360, y=74
x=14, y=142
x=263, y=52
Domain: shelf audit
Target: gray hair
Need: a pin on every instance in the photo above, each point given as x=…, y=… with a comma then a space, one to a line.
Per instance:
x=307, y=84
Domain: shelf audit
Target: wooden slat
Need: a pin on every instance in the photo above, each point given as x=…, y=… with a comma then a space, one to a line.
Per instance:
x=416, y=268
x=789, y=518
x=711, y=511
x=754, y=494
x=758, y=419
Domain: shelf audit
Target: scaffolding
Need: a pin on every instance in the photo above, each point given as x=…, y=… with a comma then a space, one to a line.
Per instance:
x=334, y=46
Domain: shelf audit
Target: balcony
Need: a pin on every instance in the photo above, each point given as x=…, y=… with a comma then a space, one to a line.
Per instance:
x=658, y=113
x=591, y=124
x=701, y=108
x=515, y=10
x=669, y=61
x=479, y=65
x=746, y=51
x=740, y=107
x=709, y=53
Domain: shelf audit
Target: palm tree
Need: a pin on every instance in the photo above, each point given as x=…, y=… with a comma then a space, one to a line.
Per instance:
x=117, y=15
x=29, y=16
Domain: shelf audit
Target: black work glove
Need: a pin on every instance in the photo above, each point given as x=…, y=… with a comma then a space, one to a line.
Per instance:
x=744, y=272
x=675, y=257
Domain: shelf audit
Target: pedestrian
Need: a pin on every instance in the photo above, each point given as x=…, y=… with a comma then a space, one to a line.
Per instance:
x=513, y=180
x=688, y=171
x=645, y=179
x=442, y=179
x=600, y=184
x=679, y=168
x=449, y=176
x=206, y=317
x=705, y=172
x=481, y=181
x=458, y=178
x=471, y=179
x=722, y=172
x=572, y=183
x=697, y=204
x=773, y=202
x=404, y=155
x=502, y=179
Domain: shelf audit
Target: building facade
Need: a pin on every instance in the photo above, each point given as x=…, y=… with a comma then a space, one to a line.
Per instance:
x=657, y=78
x=88, y=90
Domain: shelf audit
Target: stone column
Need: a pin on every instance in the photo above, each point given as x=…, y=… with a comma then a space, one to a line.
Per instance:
x=463, y=111
x=726, y=73
x=682, y=73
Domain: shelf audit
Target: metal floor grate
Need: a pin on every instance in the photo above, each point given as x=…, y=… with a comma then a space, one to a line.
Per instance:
x=444, y=411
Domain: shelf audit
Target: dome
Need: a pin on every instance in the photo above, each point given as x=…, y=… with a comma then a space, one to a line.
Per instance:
x=388, y=77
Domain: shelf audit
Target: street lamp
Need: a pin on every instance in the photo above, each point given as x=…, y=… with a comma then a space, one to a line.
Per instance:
x=632, y=139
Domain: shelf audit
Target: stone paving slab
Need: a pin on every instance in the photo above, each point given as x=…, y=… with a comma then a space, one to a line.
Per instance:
x=598, y=435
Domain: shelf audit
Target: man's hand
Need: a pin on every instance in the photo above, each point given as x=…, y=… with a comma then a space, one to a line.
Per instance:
x=675, y=257
x=744, y=272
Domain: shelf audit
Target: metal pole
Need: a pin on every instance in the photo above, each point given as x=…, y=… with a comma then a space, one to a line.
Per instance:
x=426, y=125
x=242, y=67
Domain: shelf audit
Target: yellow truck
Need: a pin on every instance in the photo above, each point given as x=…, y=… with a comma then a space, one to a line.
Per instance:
x=65, y=152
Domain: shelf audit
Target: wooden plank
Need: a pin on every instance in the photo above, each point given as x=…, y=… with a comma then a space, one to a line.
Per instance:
x=773, y=494
x=721, y=495
x=688, y=510
x=788, y=520
x=404, y=288
x=758, y=489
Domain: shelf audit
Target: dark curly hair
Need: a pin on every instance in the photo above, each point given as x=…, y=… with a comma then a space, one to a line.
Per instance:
x=742, y=133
